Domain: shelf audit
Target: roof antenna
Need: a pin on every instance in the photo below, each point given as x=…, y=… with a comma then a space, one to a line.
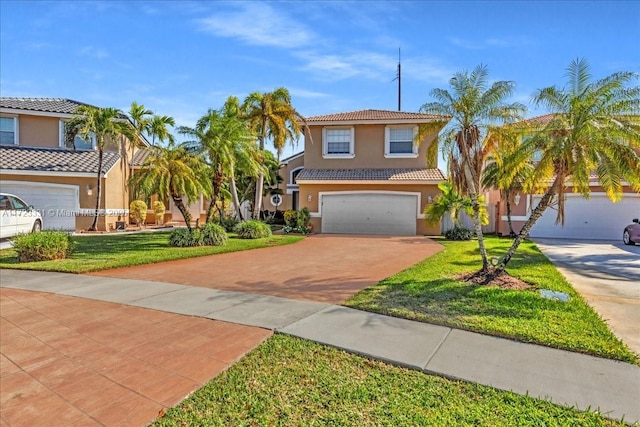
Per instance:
x=399, y=79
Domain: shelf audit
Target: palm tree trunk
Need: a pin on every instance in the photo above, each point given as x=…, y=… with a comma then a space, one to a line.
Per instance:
x=257, y=205
x=545, y=202
x=177, y=199
x=234, y=196
x=94, y=224
x=471, y=186
x=508, y=205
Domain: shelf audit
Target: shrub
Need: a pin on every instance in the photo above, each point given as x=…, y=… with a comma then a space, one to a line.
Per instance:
x=291, y=218
x=158, y=210
x=43, y=246
x=138, y=211
x=182, y=237
x=213, y=235
x=304, y=217
x=253, y=230
x=229, y=223
x=458, y=233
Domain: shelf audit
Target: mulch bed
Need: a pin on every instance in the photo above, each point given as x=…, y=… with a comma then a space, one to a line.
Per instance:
x=502, y=280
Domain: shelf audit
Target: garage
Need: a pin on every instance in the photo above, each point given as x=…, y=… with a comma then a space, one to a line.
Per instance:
x=595, y=218
x=57, y=203
x=369, y=213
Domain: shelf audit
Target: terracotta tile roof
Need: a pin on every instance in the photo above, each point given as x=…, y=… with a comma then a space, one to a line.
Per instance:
x=539, y=120
x=374, y=115
x=54, y=160
x=49, y=105
x=140, y=156
x=398, y=174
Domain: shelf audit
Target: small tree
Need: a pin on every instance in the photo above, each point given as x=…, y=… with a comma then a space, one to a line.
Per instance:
x=138, y=212
x=452, y=203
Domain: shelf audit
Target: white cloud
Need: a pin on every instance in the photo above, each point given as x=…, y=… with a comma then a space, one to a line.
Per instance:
x=258, y=24
x=93, y=52
x=492, y=42
x=304, y=93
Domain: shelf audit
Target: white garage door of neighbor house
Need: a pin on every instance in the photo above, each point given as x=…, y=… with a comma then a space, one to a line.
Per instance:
x=369, y=213
x=596, y=218
x=56, y=203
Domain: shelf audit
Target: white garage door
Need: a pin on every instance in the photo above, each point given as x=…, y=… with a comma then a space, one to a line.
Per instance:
x=596, y=218
x=56, y=203
x=369, y=213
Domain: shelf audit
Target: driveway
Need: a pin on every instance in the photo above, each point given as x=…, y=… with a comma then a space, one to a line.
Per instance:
x=323, y=268
x=607, y=275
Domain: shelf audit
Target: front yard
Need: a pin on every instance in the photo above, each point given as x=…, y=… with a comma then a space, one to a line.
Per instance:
x=290, y=382
x=429, y=292
x=101, y=252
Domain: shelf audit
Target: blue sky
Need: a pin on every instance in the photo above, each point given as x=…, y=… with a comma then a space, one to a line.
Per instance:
x=180, y=57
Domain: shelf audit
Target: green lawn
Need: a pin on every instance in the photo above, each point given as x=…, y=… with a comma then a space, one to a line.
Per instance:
x=290, y=382
x=429, y=292
x=93, y=253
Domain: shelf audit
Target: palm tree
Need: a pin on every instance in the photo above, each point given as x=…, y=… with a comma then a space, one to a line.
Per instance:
x=141, y=120
x=271, y=116
x=158, y=128
x=452, y=203
x=473, y=107
x=174, y=172
x=226, y=140
x=508, y=166
x=594, y=134
x=103, y=124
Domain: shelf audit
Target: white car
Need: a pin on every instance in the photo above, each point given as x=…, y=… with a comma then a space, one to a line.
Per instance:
x=17, y=217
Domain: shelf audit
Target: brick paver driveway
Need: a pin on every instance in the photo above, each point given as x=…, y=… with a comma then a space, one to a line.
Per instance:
x=323, y=268
x=68, y=361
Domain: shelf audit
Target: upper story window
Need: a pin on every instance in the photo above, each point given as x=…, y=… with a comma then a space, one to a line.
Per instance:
x=338, y=142
x=293, y=175
x=75, y=142
x=8, y=130
x=399, y=142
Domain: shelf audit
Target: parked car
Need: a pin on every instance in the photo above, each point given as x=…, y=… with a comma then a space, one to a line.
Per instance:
x=631, y=233
x=16, y=216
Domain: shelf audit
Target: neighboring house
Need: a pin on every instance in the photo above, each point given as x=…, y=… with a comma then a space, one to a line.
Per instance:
x=362, y=173
x=56, y=177
x=594, y=218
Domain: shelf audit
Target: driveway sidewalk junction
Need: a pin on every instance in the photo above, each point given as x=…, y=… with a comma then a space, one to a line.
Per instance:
x=563, y=377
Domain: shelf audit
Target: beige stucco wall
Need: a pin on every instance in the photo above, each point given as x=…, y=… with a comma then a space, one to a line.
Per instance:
x=369, y=150
x=38, y=131
x=425, y=191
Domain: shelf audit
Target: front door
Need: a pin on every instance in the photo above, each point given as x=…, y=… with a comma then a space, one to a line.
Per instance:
x=294, y=200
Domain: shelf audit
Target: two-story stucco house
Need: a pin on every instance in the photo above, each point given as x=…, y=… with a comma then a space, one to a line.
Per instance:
x=361, y=172
x=59, y=179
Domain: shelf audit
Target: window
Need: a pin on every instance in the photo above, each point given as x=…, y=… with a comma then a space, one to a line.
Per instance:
x=8, y=130
x=337, y=142
x=77, y=143
x=399, y=142
x=276, y=200
x=293, y=175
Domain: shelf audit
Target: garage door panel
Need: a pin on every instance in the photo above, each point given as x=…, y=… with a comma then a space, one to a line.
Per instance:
x=57, y=204
x=595, y=218
x=369, y=214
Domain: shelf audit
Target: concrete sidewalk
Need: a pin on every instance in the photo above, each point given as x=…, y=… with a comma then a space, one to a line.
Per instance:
x=563, y=377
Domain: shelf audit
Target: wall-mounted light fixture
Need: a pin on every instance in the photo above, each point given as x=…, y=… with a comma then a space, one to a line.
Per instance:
x=309, y=198
x=89, y=190
x=516, y=199
x=429, y=199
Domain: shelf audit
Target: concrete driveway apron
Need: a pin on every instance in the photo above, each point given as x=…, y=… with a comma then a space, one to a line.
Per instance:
x=607, y=275
x=322, y=268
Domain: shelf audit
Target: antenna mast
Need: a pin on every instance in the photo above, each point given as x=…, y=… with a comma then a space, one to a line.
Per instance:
x=399, y=83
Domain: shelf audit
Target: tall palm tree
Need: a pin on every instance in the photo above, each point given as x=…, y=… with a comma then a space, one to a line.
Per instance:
x=271, y=116
x=594, y=134
x=140, y=119
x=103, y=124
x=473, y=106
x=158, y=128
x=225, y=140
x=174, y=172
